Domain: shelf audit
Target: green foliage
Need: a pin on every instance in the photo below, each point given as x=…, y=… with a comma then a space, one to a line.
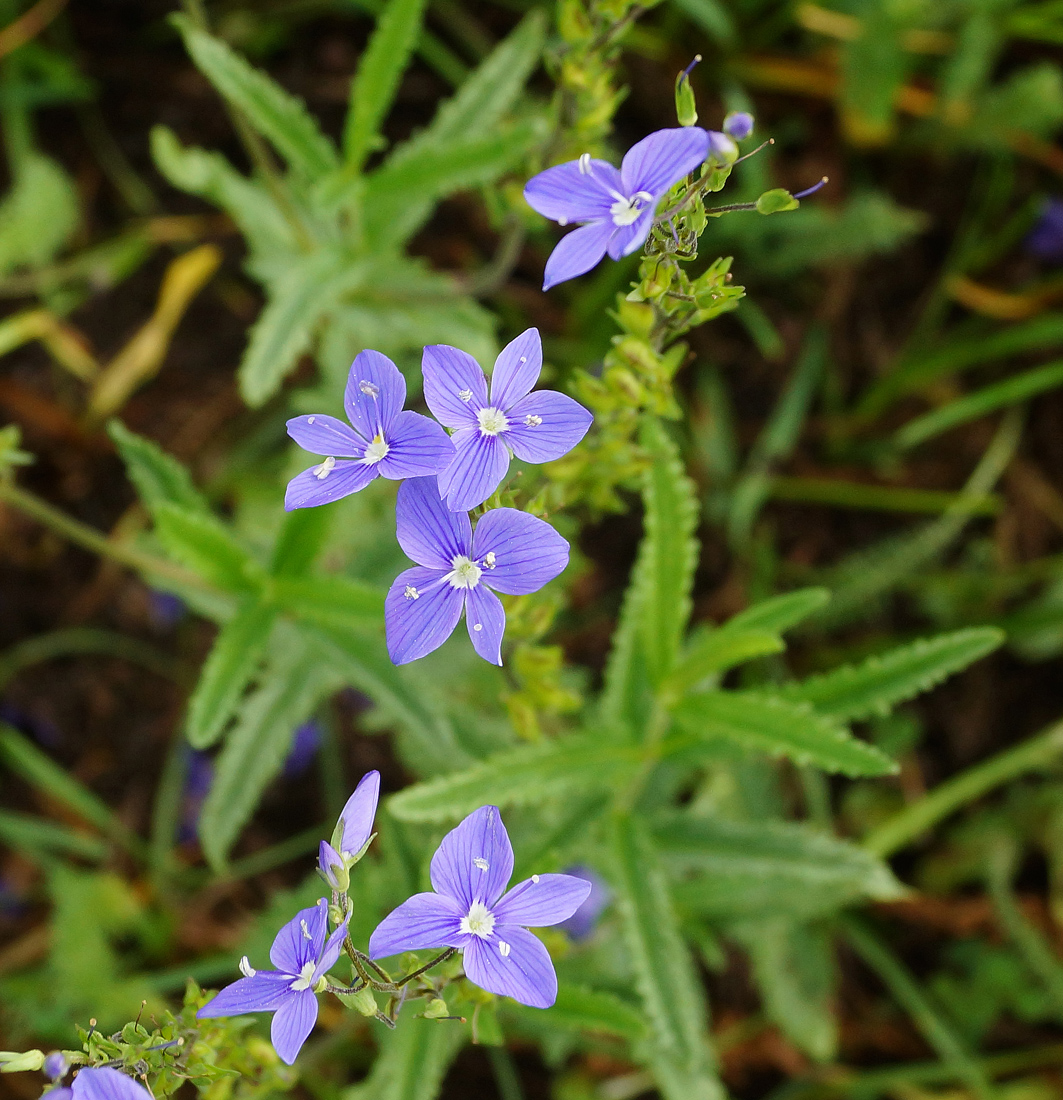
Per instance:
x=38, y=216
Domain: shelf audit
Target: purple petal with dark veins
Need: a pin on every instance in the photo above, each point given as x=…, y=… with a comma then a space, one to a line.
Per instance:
x=326, y=435
x=476, y=472
x=331, y=951
x=486, y=621
x=264, y=992
x=525, y=973
x=576, y=253
x=527, y=551
x=104, y=1083
x=429, y=532
x=421, y=922
x=630, y=238
x=417, y=624
x=662, y=159
x=417, y=447
x=546, y=425
x=475, y=860
x=328, y=859
x=294, y=946
x=292, y=1024
x=542, y=900
x=357, y=815
x=517, y=369
x=375, y=394
x=450, y=373
x=567, y=195
x=308, y=490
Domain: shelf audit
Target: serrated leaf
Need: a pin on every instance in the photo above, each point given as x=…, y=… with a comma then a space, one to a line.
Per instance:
x=665, y=974
x=626, y=692
x=227, y=672
x=779, y=613
x=878, y=684
x=205, y=545
x=38, y=215
x=580, y=1009
x=158, y=476
x=716, y=651
x=781, y=728
x=279, y=117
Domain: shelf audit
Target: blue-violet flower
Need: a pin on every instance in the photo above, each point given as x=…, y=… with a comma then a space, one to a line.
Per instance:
x=352, y=834
x=100, y=1083
x=738, y=124
x=1045, y=239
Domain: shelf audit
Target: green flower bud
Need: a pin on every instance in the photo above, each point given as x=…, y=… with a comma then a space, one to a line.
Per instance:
x=775, y=201
x=436, y=1010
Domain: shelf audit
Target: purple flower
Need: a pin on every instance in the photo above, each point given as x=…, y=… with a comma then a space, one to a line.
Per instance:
x=199, y=776
x=352, y=834
x=1045, y=240
x=537, y=427
x=383, y=442
x=722, y=149
x=511, y=552
x=738, y=124
x=56, y=1065
x=302, y=956
x=305, y=742
x=101, y=1083
x=616, y=208
x=468, y=910
x=585, y=919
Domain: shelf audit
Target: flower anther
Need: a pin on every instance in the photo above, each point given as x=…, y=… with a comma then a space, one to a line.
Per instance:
x=246, y=968
x=504, y=949
x=370, y=389
x=325, y=468
x=411, y=593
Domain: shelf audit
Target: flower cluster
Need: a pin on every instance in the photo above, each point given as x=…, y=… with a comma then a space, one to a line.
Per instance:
x=444, y=476
x=469, y=911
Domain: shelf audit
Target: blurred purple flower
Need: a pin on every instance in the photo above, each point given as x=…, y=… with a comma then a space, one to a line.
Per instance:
x=722, y=149
x=101, y=1083
x=165, y=609
x=303, y=956
x=305, y=743
x=199, y=775
x=381, y=441
x=56, y=1065
x=12, y=900
x=738, y=124
x=585, y=919
x=536, y=427
x=468, y=910
x=352, y=834
x=616, y=207
x=511, y=552
x=1045, y=240
x=41, y=729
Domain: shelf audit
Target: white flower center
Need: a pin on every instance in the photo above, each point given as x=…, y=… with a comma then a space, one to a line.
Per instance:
x=625, y=211
x=376, y=450
x=306, y=976
x=479, y=921
x=492, y=421
x=464, y=574
x=325, y=469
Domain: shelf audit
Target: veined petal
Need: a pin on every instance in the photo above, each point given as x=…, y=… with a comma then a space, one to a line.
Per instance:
x=264, y=992
x=327, y=860
x=375, y=394
x=478, y=467
x=357, y=815
x=331, y=951
x=417, y=447
x=542, y=900
x=300, y=941
x=292, y=1024
x=419, y=923
x=104, y=1083
x=429, y=532
x=527, y=551
x=475, y=860
x=326, y=435
x=310, y=488
x=420, y=613
x=454, y=385
x=567, y=195
x=630, y=238
x=521, y=969
x=546, y=425
x=486, y=620
x=576, y=253
x=662, y=159
x=517, y=369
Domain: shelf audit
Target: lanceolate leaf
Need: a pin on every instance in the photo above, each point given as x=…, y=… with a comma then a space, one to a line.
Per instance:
x=330, y=601
x=781, y=728
x=299, y=541
x=779, y=613
x=717, y=650
x=159, y=477
x=580, y=1009
x=204, y=544
x=878, y=684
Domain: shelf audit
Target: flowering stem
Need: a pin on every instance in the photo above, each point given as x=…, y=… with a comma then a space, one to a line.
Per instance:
x=358, y=956
x=427, y=966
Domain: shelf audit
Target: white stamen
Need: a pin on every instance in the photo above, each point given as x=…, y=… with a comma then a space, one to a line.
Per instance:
x=376, y=450
x=464, y=574
x=585, y=164
x=482, y=863
x=504, y=949
x=562, y=221
x=411, y=593
x=489, y=559
x=535, y=878
x=465, y=395
x=305, y=931
x=479, y=921
x=311, y=419
x=370, y=389
x=478, y=626
x=533, y=421
x=306, y=976
x=325, y=468
x=492, y=421
x=246, y=968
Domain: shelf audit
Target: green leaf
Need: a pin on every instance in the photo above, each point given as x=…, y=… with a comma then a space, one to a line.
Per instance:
x=776, y=201
x=301, y=537
x=377, y=79
x=626, y=691
x=227, y=672
x=878, y=684
x=715, y=651
x=781, y=728
x=205, y=544
x=35, y=838
x=779, y=613
x=330, y=601
x=580, y=1009
x=729, y=869
x=281, y=118
x=524, y=776
x=38, y=215
x=665, y=974
x=158, y=476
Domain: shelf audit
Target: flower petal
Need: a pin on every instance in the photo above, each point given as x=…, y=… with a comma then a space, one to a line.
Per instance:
x=417, y=447
x=525, y=973
x=517, y=369
x=528, y=552
x=328, y=860
x=104, y=1083
x=375, y=394
x=331, y=951
x=292, y=1024
x=420, y=922
x=429, y=532
x=309, y=489
x=546, y=425
x=417, y=624
x=357, y=815
x=448, y=374
x=486, y=620
x=630, y=238
x=542, y=900
x=264, y=992
x=657, y=162
x=300, y=941
x=475, y=860
x=566, y=194
x=476, y=472
x=326, y=435
x=577, y=252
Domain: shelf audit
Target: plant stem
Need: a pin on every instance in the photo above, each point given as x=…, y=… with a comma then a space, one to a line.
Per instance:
x=427, y=966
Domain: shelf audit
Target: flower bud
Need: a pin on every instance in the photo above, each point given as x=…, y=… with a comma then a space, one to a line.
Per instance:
x=363, y=1001
x=738, y=124
x=686, y=109
x=56, y=1065
x=436, y=1010
x=722, y=150
x=775, y=201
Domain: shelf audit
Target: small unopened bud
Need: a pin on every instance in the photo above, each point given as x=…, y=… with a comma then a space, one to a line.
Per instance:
x=56, y=1065
x=363, y=1001
x=738, y=124
x=722, y=150
x=686, y=108
x=436, y=1010
x=15, y=1061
